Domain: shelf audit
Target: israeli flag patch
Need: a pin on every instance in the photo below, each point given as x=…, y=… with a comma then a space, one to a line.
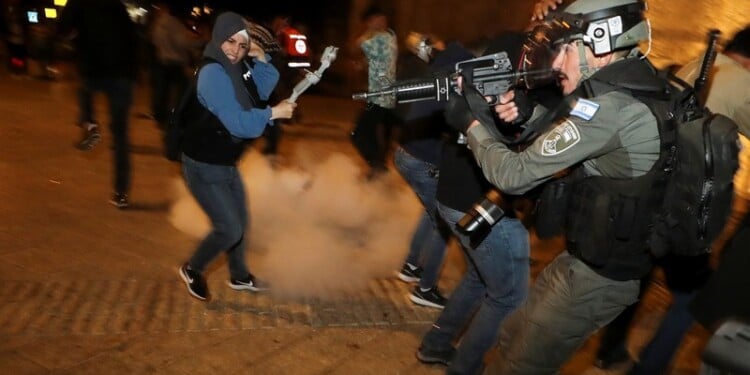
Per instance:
x=585, y=109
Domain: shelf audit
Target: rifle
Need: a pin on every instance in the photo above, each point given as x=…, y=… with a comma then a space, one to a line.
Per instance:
x=492, y=75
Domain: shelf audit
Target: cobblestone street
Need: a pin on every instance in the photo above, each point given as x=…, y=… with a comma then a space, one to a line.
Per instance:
x=89, y=289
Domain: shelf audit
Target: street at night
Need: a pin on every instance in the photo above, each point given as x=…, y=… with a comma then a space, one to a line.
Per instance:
x=86, y=288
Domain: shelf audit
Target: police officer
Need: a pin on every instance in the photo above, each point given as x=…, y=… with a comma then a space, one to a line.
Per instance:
x=609, y=142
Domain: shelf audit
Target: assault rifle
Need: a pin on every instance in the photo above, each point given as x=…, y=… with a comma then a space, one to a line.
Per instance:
x=492, y=75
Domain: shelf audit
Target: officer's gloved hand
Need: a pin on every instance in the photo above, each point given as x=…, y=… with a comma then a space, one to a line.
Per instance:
x=479, y=106
x=458, y=114
x=461, y=111
x=525, y=107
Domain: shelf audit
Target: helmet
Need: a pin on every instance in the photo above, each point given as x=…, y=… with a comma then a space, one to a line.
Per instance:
x=603, y=25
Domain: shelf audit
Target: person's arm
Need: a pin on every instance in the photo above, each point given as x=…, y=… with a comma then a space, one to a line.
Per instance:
x=570, y=141
x=215, y=92
x=265, y=75
x=542, y=8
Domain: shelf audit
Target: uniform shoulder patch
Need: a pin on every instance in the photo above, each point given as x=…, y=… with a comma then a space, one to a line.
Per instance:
x=585, y=109
x=560, y=138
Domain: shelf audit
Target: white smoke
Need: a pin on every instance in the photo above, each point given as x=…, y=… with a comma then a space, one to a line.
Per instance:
x=317, y=229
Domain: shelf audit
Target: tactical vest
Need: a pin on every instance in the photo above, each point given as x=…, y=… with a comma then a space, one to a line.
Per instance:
x=607, y=221
x=206, y=138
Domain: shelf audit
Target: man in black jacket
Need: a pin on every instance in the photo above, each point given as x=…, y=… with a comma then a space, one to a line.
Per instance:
x=105, y=41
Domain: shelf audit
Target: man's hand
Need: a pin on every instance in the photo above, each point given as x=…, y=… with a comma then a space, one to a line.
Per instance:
x=257, y=52
x=542, y=8
x=507, y=110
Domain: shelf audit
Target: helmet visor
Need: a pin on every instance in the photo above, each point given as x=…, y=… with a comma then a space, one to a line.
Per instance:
x=539, y=53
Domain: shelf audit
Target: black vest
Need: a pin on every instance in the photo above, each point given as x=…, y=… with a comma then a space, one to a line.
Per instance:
x=206, y=138
x=608, y=221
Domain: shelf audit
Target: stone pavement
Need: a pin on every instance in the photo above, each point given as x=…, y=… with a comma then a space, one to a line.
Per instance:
x=89, y=289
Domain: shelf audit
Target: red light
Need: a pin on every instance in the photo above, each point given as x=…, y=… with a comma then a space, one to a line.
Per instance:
x=16, y=62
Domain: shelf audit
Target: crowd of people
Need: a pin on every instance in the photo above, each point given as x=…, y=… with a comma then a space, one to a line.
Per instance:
x=598, y=137
x=606, y=143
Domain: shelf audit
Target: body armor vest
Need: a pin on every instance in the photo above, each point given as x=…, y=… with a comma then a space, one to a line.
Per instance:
x=607, y=221
x=206, y=138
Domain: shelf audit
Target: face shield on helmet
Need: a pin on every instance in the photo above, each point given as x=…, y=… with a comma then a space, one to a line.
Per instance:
x=602, y=25
x=537, y=56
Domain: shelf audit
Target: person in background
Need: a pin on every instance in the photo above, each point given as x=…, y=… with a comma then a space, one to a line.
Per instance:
x=15, y=35
x=272, y=135
x=226, y=112
x=372, y=132
x=172, y=65
x=417, y=158
x=497, y=268
x=105, y=42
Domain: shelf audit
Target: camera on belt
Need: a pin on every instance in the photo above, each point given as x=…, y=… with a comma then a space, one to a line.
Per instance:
x=478, y=221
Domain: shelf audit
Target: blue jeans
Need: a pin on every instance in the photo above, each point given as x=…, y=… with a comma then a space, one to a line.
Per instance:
x=119, y=92
x=496, y=283
x=428, y=244
x=657, y=355
x=221, y=194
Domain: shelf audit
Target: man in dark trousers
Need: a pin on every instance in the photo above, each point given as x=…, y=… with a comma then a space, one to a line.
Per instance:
x=105, y=41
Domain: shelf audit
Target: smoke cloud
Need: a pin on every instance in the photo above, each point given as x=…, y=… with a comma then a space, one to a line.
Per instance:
x=316, y=229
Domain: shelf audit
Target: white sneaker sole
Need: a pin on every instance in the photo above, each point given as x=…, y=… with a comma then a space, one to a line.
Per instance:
x=246, y=287
x=407, y=279
x=424, y=302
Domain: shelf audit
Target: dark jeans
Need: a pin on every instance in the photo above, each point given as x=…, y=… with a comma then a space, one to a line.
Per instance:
x=219, y=191
x=495, y=283
x=119, y=92
x=657, y=355
x=613, y=341
x=272, y=136
x=428, y=244
x=372, y=134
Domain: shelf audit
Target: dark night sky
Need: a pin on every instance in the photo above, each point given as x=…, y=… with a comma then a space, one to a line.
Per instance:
x=300, y=10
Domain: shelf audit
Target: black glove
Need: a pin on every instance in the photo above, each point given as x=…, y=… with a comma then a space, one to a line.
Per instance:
x=525, y=107
x=461, y=111
x=457, y=113
x=479, y=106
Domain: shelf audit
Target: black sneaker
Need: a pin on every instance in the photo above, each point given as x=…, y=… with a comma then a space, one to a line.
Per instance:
x=409, y=274
x=120, y=200
x=91, y=137
x=250, y=283
x=429, y=298
x=195, y=282
x=430, y=356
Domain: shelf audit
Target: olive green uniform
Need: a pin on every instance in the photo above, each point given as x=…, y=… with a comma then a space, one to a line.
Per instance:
x=612, y=135
x=620, y=140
